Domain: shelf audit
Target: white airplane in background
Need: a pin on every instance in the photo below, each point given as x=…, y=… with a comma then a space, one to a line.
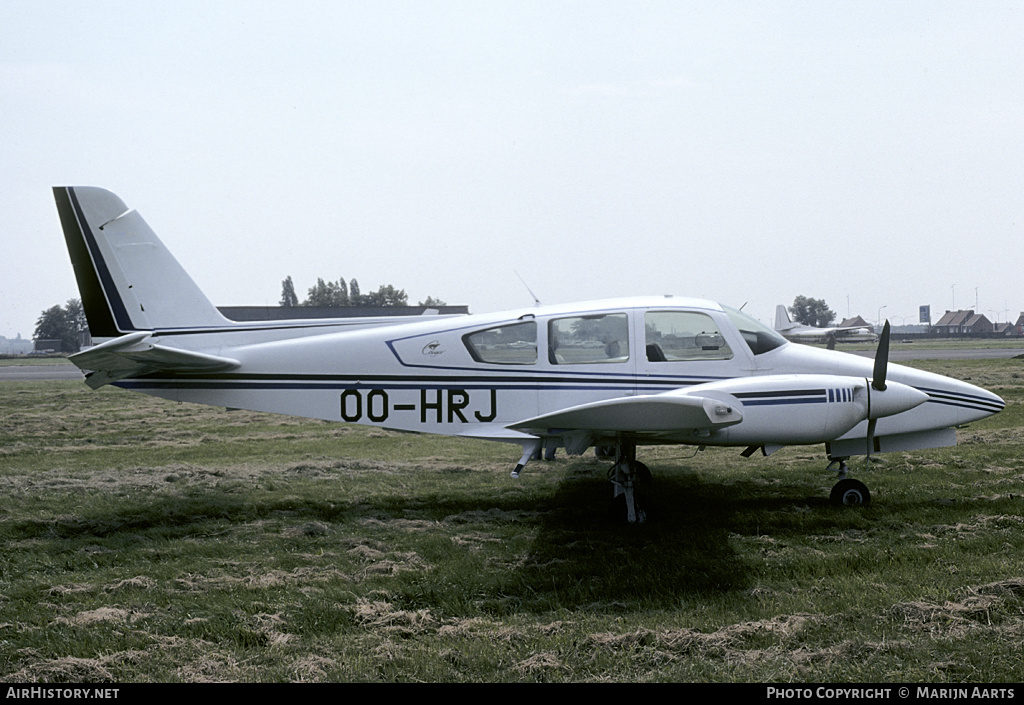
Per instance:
x=620, y=373
x=811, y=334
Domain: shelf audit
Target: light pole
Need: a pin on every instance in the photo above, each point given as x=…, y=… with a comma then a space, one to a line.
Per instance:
x=879, y=318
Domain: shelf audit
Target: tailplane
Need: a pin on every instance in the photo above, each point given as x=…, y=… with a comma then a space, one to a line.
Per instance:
x=128, y=280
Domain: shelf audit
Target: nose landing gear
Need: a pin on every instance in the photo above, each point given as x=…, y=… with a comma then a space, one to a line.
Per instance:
x=847, y=492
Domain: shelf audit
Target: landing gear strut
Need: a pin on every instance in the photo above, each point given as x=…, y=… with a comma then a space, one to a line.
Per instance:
x=630, y=481
x=847, y=492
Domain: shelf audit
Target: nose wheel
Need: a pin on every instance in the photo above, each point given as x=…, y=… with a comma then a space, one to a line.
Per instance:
x=850, y=493
x=847, y=492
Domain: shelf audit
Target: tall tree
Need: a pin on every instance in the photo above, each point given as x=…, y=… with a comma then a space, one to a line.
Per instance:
x=288, y=297
x=76, y=315
x=811, y=312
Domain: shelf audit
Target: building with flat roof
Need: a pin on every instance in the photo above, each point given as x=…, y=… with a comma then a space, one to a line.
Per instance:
x=289, y=313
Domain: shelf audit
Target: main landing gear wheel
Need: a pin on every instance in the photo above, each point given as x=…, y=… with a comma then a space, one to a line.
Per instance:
x=850, y=493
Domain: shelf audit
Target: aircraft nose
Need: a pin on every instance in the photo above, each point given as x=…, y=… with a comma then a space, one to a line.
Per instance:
x=972, y=403
x=994, y=401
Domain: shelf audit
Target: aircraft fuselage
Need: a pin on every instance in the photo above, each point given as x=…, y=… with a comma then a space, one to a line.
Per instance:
x=475, y=375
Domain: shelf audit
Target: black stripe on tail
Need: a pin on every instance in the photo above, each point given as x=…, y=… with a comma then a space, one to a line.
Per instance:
x=103, y=307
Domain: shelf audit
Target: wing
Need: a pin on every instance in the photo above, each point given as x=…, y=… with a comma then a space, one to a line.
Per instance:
x=649, y=414
x=134, y=355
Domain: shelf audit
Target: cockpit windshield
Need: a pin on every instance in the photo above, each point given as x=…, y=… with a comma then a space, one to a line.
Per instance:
x=758, y=337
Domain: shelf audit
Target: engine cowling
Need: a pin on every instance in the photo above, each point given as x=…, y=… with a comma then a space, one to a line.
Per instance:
x=803, y=409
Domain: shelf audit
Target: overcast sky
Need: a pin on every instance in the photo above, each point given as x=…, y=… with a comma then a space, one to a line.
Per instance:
x=867, y=153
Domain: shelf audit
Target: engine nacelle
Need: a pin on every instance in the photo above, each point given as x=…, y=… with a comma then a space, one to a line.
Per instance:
x=802, y=409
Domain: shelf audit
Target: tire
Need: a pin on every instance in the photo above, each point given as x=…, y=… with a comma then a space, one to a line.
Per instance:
x=850, y=493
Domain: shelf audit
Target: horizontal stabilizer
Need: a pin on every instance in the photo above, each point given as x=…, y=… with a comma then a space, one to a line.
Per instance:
x=134, y=355
x=642, y=414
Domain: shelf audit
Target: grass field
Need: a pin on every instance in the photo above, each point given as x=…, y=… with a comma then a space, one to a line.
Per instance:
x=22, y=360
x=149, y=541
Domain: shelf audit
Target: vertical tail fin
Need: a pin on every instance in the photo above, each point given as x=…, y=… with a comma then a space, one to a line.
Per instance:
x=782, y=320
x=128, y=280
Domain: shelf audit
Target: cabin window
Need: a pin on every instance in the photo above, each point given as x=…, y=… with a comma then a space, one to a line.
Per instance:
x=672, y=336
x=581, y=340
x=514, y=344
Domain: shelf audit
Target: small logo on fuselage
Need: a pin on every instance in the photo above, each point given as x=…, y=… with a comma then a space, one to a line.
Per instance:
x=433, y=348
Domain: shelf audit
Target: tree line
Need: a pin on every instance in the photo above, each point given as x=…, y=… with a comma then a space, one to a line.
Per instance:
x=67, y=323
x=340, y=293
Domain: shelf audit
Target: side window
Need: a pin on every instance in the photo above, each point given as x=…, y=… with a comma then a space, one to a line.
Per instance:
x=588, y=339
x=514, y=344
x=683, y=335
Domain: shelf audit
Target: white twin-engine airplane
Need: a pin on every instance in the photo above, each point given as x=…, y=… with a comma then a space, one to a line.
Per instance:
x=616, y=374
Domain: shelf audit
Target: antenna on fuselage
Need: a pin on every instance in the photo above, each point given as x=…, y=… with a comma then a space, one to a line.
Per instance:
x=536, y=301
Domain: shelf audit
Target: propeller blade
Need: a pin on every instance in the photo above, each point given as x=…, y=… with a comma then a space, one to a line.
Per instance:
x=881, y=360
x=871, y=439
x=877, y=383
